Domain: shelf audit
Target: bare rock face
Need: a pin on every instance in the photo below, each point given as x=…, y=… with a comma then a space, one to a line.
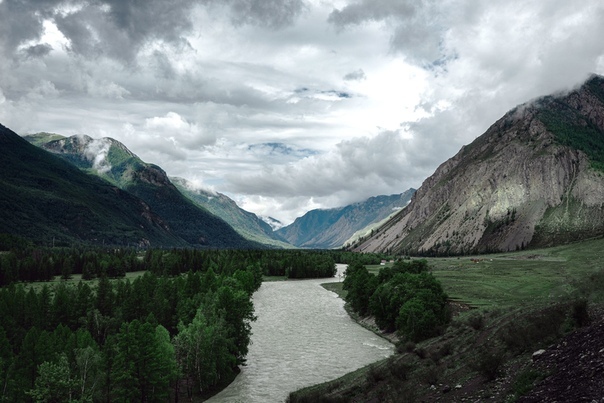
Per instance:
x=532, y=179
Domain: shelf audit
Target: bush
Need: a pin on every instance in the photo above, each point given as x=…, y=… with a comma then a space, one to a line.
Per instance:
x=475, y=320
x=525, y=381
x=580, y=313
x=488, y=362
x=536, y=329
x=430, y=375
x=375, y=374
x=400, y=370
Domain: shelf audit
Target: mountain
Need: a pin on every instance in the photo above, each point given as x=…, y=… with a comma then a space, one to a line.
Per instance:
x=47, y=200
x=273, y=222
x=331, y=228
x=249, y=225
x=534, y=178
x=112, y=161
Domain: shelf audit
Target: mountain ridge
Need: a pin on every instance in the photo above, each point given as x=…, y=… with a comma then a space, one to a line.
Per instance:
x=526, y=182
x=46, y=199
x=331, y=228
x=113, y=161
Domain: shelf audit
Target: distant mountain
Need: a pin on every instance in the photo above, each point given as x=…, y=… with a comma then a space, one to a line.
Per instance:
x=46, y=199
x=111, y=160
x=245, y=223
x=273, y=222
x=534, y=178
x=331, y=228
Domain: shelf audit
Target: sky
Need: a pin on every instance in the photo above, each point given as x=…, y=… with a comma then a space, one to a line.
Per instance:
x=289, y=105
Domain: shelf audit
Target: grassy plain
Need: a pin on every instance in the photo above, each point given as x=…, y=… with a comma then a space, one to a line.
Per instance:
x=517, y=278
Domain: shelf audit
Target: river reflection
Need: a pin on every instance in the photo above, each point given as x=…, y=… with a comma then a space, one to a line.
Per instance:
x=302, y=336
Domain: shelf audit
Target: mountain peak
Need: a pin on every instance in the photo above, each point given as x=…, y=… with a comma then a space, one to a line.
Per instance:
x=534, y=178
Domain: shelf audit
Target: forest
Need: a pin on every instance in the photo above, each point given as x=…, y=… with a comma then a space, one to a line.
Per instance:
x=179, y=327
x=405, y=298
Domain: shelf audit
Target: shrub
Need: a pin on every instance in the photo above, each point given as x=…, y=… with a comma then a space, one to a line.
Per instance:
x=488, y=362
x=525, y=381
x=580, y=313
x=430, y=375
x=375, y=374
x=400, y=370
x=475, y=320
x=535, y=329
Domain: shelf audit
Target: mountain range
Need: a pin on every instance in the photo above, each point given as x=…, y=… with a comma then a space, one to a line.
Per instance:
x=48, y=200
x=245, y=223
x=175, y=198
x=534, y=178
x=332, y=228
x=192, y=221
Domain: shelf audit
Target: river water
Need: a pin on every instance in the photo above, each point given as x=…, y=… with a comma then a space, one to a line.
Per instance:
x=303, y=336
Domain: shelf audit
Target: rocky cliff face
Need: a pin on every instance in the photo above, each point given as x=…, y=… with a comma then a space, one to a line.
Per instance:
x=534, y=178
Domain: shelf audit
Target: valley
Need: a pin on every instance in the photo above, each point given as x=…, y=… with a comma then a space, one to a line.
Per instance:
x=496, y=256
x=505, y=307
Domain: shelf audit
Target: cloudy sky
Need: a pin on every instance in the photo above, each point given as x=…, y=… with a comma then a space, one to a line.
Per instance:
x=289, y=105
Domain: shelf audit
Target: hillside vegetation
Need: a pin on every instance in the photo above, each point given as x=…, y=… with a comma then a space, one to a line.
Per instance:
x=48, y=200
x=112, y=161
x=505, y=307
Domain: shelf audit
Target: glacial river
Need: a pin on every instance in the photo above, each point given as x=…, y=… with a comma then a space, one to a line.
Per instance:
x=302, y=336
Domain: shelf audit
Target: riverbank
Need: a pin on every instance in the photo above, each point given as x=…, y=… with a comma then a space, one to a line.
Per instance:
x=302, y=336
x=367, y=322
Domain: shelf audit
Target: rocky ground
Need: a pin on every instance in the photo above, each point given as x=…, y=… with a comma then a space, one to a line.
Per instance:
x=577, y=368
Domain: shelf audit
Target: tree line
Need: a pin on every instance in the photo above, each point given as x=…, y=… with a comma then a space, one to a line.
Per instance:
x=44, y=264
x=404, y=298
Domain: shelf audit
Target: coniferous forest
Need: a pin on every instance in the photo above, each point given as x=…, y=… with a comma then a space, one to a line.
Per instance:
x=150, y=325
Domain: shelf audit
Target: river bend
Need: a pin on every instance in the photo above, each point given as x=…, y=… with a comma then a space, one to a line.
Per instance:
x=303, y=336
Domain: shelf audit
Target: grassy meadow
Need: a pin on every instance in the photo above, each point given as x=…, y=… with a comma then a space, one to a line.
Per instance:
x=518, y=278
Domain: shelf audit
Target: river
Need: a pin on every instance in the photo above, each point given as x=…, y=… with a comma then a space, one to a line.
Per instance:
x=303, y=336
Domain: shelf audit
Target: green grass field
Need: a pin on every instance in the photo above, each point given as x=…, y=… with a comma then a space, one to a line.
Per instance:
x=518, y=278
x=76, y=278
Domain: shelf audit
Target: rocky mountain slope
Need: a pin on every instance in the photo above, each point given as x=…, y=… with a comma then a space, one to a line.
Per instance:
x=112, y=161
x=534, y=178
x=245, y=223
x=331, y=228
x=49, y=201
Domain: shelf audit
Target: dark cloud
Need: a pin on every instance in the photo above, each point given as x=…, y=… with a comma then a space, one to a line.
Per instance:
x=418, y=32
x=21, y=22
x=372, y=10
x=120, y=28
x=268, y=13
x=356, y=75
x=39, y=50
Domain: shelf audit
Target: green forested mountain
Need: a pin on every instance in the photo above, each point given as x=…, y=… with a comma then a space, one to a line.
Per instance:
x=46, y=199
x=112, y=161
x=331, y=228
x=245, y=223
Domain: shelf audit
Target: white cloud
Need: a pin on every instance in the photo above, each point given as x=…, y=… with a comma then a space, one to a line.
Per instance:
x=96, y=151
